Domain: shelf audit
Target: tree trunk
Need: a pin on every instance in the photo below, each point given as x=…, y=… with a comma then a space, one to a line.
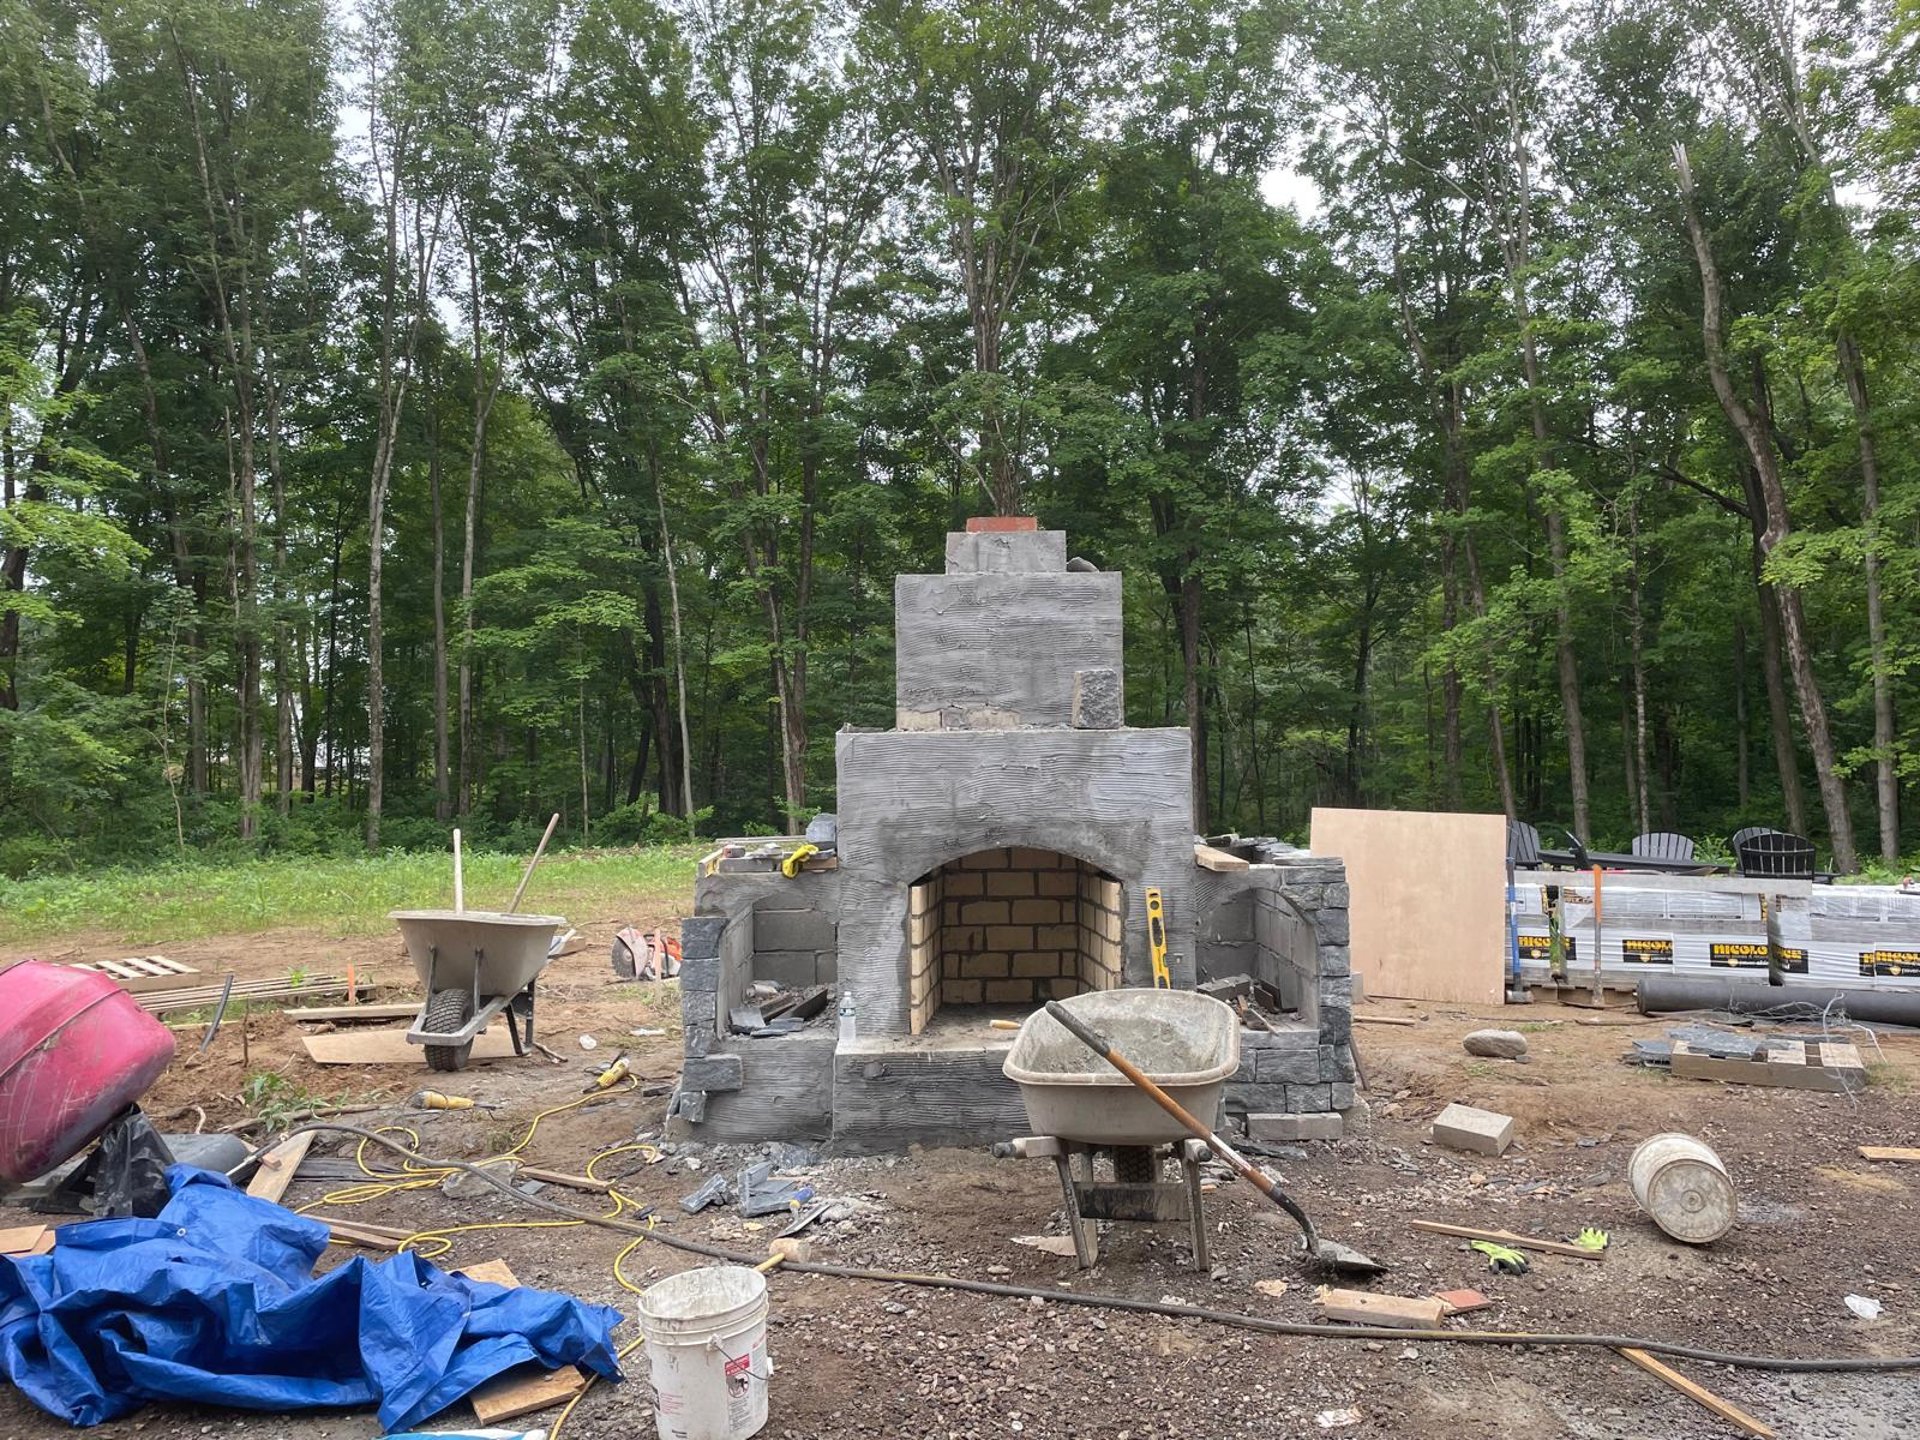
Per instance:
x=679, y=643
x=1786, y=755
x=1754, y=434
x=442, y=796
x=1189, y=597
x=1886, y=774
x=283, y=746
x=1743, y=763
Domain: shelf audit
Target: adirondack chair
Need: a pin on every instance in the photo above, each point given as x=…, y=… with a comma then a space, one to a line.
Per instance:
x=1523, y=848
x=1740, y=837
x=1662, y=845
x=1775, y=855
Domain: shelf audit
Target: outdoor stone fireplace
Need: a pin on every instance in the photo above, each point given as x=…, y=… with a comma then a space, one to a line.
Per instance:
x=992, y=851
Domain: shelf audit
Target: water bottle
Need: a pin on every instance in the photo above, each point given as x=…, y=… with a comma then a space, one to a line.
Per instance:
x=845, y=1014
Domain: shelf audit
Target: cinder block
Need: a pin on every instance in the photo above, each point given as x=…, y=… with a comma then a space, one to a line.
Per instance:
x=1010, y=884
x=1482, y=1132
x=1292, y=1128
x=1036, y=912
x=700, y=936
x=1009, y=992
x=1288, y=1067
x=712, y=1072
x=1097, y=699
x=702, y=975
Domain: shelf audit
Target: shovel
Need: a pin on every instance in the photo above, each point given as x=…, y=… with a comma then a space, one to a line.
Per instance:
x=1327, y=1252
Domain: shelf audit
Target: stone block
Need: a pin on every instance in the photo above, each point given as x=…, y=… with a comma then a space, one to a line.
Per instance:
x=1341, y=895
x=1335, y=1020
x=697, y=1008
x=1336, y=960
x=1289, y=1067
x=1293, y=1128
x=702, y=975
x=1011, y=884
x=1258, y=1099
x=1009, y=992
x=794, y=969
x=699, y=1041
x=1098, y=700
x=1024, y=552
x=1481, y=1132
x=1341, y=1093
x=712, y=1072
x=792, y=930
x=1336, y=1062
x=689, y=1106
x=1309, y=1099
x=1244, y=1074
x=1330, y=925
x=700, y=936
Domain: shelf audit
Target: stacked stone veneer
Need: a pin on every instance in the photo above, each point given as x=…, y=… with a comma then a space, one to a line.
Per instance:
x=1010, y=926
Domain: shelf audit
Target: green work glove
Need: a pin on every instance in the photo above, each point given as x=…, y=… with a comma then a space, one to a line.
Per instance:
x=1505, y=1259
x=1591, y=1238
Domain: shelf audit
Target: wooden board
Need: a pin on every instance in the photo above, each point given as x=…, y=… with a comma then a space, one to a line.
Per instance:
x=277, y=1167
x=143, y=973
x=390, y=1047
x=20, y=1239
x=1725, y=1409
x=526, y=1388
x=338, y=1014
x=1209, y=857
x=1401, y=1312
x=1828, y=1066
x=1428, y=901
x=1890, y=1152
x=1507, y=1237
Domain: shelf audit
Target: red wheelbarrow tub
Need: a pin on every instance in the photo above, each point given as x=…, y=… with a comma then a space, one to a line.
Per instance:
x=75, y=1050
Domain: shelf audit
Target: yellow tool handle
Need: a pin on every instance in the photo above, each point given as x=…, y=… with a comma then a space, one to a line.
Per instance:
x=434, y=1100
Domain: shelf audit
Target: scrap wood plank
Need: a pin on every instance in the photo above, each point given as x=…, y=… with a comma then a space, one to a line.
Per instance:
x=1827, y=1066
x=1890, y=1152
x=1211, y=857
x=44, y=1245
x=1385, y=1020
x=277, y=1167
x=1506, y=1237
x=390, y=1047
x=20, y=1239
x=165, y=974
x=526, y=1388
x=334, y=1014
x=1459, y=1302
x=1401, y=1312
x=1698, y=1393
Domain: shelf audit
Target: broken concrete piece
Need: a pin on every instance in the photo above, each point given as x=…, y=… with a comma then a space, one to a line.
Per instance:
x=1483, y=1132
x=1496, y=1044
x=1325, y=1126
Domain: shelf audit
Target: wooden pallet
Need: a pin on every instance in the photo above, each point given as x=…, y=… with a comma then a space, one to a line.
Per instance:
x=1829, y=1065
x=139, y=974
x=205, y=996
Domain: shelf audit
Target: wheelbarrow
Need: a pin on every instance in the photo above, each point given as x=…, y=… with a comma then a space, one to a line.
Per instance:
x=475, y=964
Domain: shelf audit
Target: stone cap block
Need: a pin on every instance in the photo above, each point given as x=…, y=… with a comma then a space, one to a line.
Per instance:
x=1481, y=1132
x=1007, y=552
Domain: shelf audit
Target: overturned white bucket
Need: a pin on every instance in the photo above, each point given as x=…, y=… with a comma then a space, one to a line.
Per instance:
x=1681, y=1183
x=706, y=1333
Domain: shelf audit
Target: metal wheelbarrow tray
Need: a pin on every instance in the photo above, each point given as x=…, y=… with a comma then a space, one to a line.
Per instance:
x=1187, y=1042
x=474, y=965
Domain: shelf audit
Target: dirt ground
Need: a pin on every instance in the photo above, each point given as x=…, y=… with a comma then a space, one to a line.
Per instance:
x=860, y=1359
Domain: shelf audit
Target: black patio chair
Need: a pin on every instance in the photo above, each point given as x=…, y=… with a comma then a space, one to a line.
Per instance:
x=1775, y=855
x=1740, y=837
x=1523, y=849
x=1662, y=845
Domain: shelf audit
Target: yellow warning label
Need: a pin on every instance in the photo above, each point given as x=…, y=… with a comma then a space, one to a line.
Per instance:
x=1647, y=950
x=1752, y=955
x=1890, y=963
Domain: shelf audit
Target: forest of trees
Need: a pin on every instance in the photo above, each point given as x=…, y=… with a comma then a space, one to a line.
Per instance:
x=417, y=412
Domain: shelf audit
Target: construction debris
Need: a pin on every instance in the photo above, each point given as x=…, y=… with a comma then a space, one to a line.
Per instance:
x=1506, y=1237
x=390, y=1047
x=1726, y=1410
x=1482, y=1132
x=1899, y=1153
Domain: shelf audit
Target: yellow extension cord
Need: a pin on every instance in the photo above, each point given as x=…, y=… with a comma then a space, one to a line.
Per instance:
x=382, y=1183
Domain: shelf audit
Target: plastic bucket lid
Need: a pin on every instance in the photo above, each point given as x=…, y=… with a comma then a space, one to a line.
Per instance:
x=695, y=1304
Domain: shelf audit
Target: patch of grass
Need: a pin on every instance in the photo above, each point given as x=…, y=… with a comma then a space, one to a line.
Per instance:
x=343, y=895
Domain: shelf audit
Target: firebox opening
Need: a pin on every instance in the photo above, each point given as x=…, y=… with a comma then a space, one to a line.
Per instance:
x=1010, y=926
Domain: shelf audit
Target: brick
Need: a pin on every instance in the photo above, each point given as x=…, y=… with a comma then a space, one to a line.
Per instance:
x=1309, y=1099
x=1035, y=963
x=701, y=976
x=1036, y=912
x=1289, y=1067
x=983, y=967
x=961, y=992
x=1294, y=1128
x=1061, y=987
x=1010, y=937
x=1000, y=524
x=700, y=936
x=1057, y=937
x=1010, y=883
x=986, y=912
x=959, y=884
x=1009, y=992
x=1480, y=1132
x=713, y=1072
x=1063, y=883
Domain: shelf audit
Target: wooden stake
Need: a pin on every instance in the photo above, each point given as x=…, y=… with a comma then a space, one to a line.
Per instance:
x=1725, y=1409
x=459, y=877
x=1506, y=1237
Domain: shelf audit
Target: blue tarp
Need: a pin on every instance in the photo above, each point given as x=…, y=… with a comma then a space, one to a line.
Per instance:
x=214, y=1301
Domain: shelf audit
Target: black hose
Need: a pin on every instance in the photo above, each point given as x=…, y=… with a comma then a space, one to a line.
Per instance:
x=1233, y=1318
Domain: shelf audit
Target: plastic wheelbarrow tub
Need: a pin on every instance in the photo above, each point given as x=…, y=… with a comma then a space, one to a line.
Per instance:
x=1187, y=1043
x=75, y=1050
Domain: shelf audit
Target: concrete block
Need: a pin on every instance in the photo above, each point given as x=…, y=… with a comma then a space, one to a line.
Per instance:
x=1341, y=1093
x=1028, y=552
x=1482, y=1132
x=700, y=975
x=794, y=969
x=700, y=936
x=905, y=719
x=1289, y=1067
x=1291, y=1128
x=792, y=930
x=712, y=1072
x=1098, y=702
x=1309, y=1099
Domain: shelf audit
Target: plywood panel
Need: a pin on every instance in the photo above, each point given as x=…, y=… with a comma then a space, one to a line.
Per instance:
x=1428, y=897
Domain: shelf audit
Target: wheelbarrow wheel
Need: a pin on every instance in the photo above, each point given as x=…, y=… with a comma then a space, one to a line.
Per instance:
x=448, y=1012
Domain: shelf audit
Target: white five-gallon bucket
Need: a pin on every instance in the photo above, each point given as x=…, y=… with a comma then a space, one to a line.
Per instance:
x=706, y=1333
x=1684, y=1187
